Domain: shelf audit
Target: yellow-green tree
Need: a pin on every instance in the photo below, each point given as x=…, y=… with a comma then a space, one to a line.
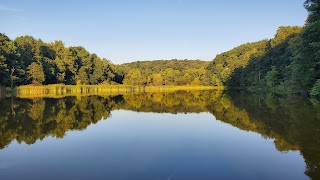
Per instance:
x=133, y=78
x=36, y=74
x=157, y=79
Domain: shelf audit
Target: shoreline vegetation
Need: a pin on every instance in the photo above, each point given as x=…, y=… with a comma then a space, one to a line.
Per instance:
x=60, y=90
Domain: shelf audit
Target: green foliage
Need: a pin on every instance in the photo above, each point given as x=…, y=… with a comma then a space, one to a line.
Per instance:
x=168, y=72
x=133, y=78
x=313, y=7
x=8, y=58
x=160, y=65
x=53, y=63
x=184, y=80
x=82, y=76
x=290, y=62
x=225, y=65
x=225, y=74
x=36, y=74
x=272, y=77
x=157, y=79
x=316, y=89
x=196, y=82
x=283, y=33
x=50, y=63
x=306, y=60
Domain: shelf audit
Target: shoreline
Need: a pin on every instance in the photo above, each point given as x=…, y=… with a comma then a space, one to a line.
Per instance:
x=57, y=90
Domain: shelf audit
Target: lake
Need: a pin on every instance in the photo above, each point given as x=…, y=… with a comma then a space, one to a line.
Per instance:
x=172, y=135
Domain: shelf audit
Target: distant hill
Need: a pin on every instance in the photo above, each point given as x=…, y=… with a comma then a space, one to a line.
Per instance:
x=159, y=65
x=165, y=72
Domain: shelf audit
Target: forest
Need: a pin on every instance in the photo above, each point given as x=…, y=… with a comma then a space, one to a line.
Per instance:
x=287, y=63
x=168, y=72
x=27, y=60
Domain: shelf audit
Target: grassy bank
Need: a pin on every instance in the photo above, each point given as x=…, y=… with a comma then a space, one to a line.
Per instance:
x=57, y=90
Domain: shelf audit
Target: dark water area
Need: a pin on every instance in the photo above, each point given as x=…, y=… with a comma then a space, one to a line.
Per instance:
x=178, y=135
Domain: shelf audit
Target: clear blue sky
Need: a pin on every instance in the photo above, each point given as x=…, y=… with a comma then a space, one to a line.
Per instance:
x=131, y=30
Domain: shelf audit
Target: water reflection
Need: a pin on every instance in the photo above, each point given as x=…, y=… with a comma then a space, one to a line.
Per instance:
x=293, y=123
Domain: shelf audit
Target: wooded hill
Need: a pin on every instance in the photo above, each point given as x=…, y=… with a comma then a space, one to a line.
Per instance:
x=288, y=63
x=167, y=72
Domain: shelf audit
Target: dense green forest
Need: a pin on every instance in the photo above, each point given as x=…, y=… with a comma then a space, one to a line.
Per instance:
x=288, y=63
x=27, y=60
x=168, y=72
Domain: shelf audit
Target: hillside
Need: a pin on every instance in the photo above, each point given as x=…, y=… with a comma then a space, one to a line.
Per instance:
x=158, y=65
x=165, y=72
x=287, y=64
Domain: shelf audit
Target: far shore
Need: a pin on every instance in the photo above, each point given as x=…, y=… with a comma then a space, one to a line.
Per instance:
x=60, y=90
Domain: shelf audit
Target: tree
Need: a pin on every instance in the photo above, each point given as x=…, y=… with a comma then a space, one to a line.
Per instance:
x=316, y=89
x=171, y=71
x=225, y=74
x=215, y=81
x=8, y=59
x=157, y=79
x=98, y=68
x=225, y=66
x=3, y=58
x=133, y=78
x=169, y=74
x=282, y=34
x=36, y=73
x=60, y=64
x=313, y=7
x=196, y=81
x=272, y=76
x=29, y=49
x=184, y=80
x=12, y=77
x=82, y=76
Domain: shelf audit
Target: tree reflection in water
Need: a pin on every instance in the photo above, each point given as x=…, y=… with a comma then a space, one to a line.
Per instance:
x=293, y=123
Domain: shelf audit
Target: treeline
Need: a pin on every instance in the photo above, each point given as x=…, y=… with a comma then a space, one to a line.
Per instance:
x=27, y=60
x=167, y=72
x=288, y=63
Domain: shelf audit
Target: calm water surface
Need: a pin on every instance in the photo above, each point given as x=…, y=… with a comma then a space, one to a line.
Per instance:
x=181, y=135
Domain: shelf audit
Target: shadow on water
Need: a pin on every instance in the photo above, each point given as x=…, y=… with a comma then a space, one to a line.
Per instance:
x=293, y=123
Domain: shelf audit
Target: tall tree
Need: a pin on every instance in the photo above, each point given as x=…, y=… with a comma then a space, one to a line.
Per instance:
x=133, y=78
x=157, y=79
x=36, y=73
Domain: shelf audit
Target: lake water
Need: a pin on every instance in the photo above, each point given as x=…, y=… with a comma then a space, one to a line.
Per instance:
x=180, y=135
